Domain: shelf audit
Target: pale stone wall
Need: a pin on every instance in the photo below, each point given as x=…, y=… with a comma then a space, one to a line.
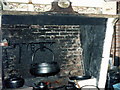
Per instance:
x=109, y=8
x=106, y=8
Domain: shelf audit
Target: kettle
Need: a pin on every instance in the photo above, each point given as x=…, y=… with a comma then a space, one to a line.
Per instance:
x=40, y=86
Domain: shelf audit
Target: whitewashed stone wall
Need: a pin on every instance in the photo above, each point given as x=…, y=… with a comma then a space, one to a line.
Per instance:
x=104, y=8
x=46, y=7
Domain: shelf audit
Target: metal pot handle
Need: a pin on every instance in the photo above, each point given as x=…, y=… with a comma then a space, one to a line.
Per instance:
x=39, y=49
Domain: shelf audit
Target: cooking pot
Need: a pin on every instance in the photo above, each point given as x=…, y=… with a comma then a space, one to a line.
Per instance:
x=14, y=82
x=72, y=79
x=46, y=68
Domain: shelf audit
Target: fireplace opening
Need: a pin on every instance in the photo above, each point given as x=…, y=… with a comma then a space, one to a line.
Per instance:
x=77, y=46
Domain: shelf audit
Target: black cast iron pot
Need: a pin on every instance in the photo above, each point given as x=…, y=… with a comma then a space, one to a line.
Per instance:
x=72, y=79
x=14, y=82
x=46, y=68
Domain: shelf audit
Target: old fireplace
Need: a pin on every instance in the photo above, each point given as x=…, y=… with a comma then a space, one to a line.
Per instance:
x=77, y=43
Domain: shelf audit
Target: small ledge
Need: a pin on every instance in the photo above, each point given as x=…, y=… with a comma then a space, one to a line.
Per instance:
x=58, y=13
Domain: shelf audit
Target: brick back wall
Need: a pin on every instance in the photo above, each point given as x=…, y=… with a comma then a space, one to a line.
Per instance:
x=115, y=47
x=67, y=47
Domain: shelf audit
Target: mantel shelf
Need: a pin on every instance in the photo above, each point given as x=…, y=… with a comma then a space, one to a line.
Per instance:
x=56, y=13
